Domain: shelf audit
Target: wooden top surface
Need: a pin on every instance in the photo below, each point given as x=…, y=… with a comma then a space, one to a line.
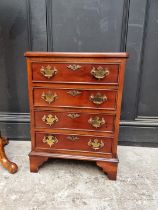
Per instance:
x=77, y=54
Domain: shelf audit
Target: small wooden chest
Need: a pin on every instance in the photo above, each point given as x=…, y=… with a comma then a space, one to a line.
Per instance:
x=75, y=104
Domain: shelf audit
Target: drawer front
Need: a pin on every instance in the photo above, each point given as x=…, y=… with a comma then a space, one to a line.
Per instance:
x=80, y=73
x=75, y=121
x=97, y=99
x=51, y=142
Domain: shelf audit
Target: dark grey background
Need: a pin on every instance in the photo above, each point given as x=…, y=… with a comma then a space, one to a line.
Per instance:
x=82, y=26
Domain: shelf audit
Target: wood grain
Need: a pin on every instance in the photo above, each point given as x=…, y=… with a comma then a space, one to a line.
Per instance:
x=76, y=120
x=83, y=74
x=81, y=100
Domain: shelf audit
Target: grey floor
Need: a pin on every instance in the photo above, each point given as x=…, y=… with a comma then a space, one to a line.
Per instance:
x=79, y=185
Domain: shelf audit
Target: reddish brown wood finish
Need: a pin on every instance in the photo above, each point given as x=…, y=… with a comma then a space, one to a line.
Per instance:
x=82, y=100
x=109, y=168
x=81, y=80
x=36, y=162
x=73, y=143
x=81, y=75
x=6, y=163
x=74, y=121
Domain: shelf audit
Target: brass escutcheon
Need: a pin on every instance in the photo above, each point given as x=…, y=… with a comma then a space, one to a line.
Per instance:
x=96, y=121
x=95, y=144
x=49, y=97
x=50, y=140
x=73, y=115
x=73, y=67
x=98, y=98
x=100, y=72
x=74, y=92
x=48, y=72
x=73, y=138
x=50, y=119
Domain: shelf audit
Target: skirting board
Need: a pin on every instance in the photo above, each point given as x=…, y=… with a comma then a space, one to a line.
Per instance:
x=16, y=127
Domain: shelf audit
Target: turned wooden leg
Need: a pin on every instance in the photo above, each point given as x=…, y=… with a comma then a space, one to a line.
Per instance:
x=6, y=163
x=109, y=168
x=36, y=162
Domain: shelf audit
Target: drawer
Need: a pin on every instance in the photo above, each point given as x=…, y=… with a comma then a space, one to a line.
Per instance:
x=80, y=98
x=74, y=121
x=75, y=73
x=81, y=143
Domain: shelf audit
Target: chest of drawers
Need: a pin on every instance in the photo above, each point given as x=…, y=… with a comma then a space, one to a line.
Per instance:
x=75, y=103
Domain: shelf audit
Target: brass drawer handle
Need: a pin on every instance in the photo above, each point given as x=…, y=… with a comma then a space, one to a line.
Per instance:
x=98, y=98
x=48, y=72
x=50, y=119
x=95, y=144
x=96, y=121
x=74, y=67
x=73, y=115
x=74, y=92
x=50, y=140
x=73, y=138
x=100, y=72
x=49, y=97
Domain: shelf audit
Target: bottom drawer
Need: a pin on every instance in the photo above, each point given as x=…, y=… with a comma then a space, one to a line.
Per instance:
x=78, y=143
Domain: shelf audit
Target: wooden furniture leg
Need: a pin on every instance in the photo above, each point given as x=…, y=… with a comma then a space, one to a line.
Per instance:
x=36, y=162
x=109, y=168
x=6, y=163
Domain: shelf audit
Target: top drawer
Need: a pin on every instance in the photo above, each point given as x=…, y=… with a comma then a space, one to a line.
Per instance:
x=75, y=73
